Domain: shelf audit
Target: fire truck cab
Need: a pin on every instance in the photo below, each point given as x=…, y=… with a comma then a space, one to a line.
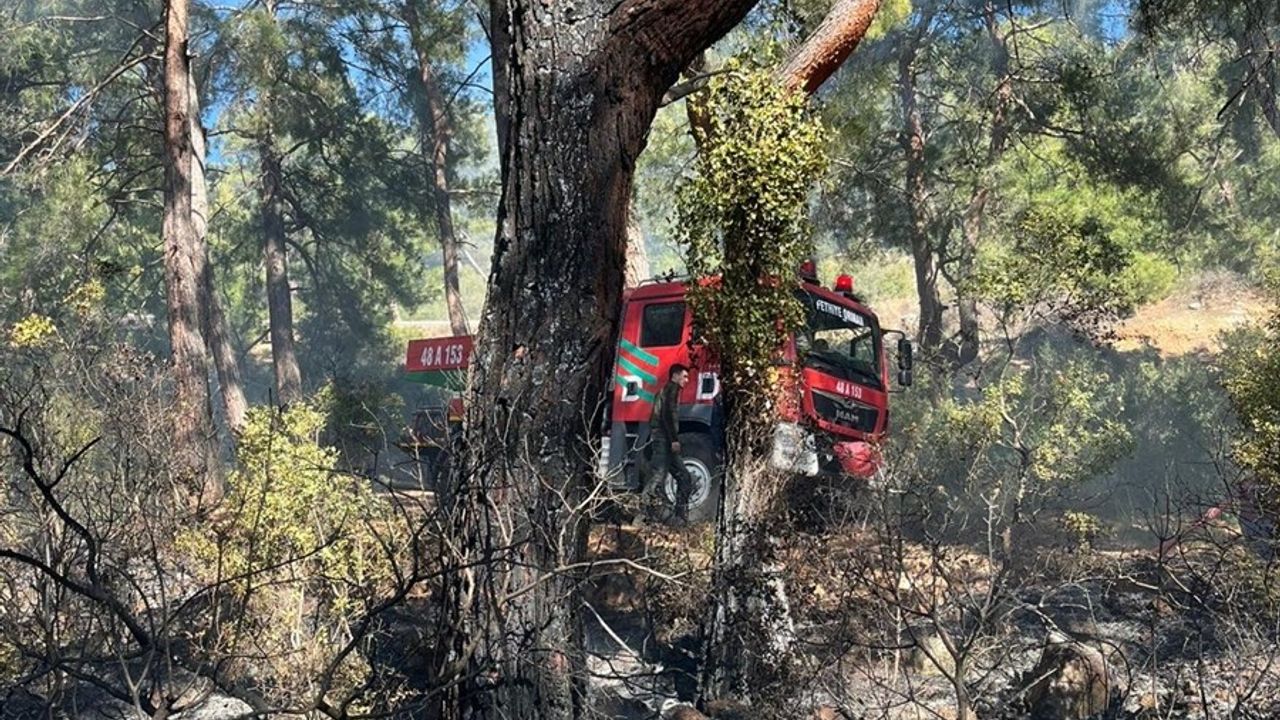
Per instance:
x=834, y=403
x=835, y=387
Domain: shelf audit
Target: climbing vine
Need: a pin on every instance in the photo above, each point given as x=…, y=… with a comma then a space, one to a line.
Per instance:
x=744, y=219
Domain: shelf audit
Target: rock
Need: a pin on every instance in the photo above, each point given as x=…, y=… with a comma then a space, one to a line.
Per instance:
x=217, y=707
x=683, y=712
x=1071, y=682
x=929, y=655
x=214, y=707
x=728, y=710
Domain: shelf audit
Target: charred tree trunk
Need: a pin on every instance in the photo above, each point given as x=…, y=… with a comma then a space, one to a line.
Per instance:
x=184, y=260
x=499, y=27
x=749, y=633
x=583, y=81
x=284, y=358
x=437, y=138
x=545, y=351
x=929, y=333
x=217, y=332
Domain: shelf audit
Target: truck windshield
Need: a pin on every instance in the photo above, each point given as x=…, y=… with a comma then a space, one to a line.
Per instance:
x=839, y=340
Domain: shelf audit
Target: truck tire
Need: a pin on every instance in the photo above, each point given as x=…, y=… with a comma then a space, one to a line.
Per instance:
x=703, y=463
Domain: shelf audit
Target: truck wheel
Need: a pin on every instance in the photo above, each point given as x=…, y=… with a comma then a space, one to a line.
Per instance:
x=703, y=464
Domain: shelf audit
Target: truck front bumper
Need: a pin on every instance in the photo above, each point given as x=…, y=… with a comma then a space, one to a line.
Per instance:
x=799, y=451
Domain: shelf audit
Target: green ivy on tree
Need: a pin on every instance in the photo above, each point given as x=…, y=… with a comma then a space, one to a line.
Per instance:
x=744, y=218
x=745, y=223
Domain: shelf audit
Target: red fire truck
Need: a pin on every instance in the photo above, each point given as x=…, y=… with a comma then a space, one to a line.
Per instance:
x=835, y=386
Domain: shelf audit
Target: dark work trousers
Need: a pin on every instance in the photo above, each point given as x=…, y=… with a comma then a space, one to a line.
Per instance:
x=664, y=461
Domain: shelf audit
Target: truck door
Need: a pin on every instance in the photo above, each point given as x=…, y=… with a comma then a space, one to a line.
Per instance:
x=654, y=337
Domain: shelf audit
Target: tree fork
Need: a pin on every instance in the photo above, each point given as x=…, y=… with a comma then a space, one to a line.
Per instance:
x=749, y=632
x=929, y=333
x=569, y=140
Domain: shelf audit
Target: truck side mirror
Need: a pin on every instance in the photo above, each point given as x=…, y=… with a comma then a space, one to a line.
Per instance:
x=905, y=357
x=904, y=377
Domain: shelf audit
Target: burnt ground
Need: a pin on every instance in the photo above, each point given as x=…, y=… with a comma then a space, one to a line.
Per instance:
x=1190, y=634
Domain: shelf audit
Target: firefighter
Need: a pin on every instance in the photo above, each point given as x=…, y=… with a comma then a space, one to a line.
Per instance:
x=664, y=439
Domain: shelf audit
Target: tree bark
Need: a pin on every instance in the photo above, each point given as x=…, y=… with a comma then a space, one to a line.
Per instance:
x=637, y=254
x=284, y=358
x=826, y=49
x=929, y=332
x=217, y=331
x=749, y=634
x=583, y=81
x=500, y=37
x=185, y=259
x=437, y=137
x=968, y=347
x=225, y=360
x=695, y=107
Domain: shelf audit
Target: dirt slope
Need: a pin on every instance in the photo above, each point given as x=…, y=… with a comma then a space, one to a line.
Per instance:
x=1193, y=320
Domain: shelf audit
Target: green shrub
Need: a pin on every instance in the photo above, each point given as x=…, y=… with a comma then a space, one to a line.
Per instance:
x=884, y=276
x=289, y=512
x=1251, y=376
x=1151, y=276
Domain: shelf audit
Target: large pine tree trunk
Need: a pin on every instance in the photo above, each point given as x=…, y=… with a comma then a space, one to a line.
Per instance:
x=184, y=261
x=583, y=81
x=217, y=332
x=437, y=137
x=284, y=358
x=230, y=383
x=546, y=347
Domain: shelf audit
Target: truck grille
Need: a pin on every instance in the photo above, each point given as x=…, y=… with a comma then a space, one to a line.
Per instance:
x=845, y=412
